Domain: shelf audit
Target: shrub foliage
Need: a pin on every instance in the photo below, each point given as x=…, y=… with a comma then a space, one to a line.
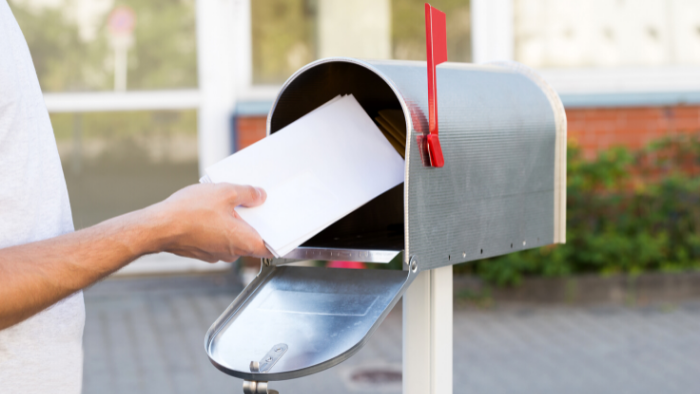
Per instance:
x=627, y=212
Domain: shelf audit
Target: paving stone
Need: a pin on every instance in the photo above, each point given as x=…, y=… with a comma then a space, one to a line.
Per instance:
x=145, y=335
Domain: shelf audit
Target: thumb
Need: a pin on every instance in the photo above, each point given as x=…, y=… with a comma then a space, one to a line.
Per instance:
x=248, y=196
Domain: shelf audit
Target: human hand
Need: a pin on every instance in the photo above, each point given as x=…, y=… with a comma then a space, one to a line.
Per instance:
x=200, y=222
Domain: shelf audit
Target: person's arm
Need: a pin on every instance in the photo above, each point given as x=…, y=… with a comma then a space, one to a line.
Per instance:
x=198, y=221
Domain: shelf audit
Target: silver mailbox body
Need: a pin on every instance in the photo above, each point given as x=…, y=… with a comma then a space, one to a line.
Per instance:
x=502, y=189
x=503, y=135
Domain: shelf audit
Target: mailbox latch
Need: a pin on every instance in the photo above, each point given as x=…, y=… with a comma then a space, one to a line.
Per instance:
x=262, y=366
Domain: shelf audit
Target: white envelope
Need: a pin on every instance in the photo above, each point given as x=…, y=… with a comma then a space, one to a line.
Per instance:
x=315, y=171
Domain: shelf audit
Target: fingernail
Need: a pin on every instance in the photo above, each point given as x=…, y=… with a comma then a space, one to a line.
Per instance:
x=261, y=193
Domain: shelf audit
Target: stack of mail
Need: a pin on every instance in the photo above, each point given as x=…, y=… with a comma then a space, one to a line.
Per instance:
x=393, y=126
x=315, y=171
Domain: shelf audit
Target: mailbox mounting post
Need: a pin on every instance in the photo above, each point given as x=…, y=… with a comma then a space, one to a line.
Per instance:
x=427, y=333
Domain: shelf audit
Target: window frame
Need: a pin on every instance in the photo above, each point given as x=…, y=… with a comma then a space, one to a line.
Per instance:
x=493, y=39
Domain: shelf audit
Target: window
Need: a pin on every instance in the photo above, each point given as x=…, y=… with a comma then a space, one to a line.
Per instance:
x=607, y=33
x=287, y=34
x=71, y=47
x=117, y=162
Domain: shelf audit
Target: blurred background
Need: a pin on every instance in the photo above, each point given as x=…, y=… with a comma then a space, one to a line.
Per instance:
x=144, y=94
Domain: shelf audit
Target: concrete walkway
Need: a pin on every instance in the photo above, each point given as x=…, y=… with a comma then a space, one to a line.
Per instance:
x=145, y=335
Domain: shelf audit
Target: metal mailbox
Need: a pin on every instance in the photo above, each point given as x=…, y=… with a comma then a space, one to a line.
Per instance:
x=501, y=190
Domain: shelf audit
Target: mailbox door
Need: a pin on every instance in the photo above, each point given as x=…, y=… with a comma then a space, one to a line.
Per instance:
x=296, y=321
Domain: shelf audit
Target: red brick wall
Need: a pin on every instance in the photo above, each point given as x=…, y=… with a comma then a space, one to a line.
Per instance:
x=250, y=130
x=600, y=128
x=592, y=128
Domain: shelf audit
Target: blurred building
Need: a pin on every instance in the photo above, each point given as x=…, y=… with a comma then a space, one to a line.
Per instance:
x=627, y=71
x=202, y=75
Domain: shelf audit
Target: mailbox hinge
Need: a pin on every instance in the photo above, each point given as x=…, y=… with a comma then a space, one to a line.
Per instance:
x=254, y=387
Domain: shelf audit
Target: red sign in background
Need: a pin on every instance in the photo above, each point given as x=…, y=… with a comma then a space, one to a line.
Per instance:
x=121, y=21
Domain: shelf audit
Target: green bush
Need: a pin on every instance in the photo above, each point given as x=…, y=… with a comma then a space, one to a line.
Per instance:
x=627, y=212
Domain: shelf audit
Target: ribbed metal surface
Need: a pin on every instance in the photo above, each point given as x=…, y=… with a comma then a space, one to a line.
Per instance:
x=495, y=194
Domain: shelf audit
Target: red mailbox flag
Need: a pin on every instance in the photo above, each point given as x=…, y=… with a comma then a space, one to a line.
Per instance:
x=436, y=45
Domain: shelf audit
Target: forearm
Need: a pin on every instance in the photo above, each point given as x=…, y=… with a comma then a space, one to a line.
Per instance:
x=36, y=275
x=198, y=221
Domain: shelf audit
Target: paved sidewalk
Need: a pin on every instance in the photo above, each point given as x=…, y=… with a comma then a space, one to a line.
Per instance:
x=145, y=335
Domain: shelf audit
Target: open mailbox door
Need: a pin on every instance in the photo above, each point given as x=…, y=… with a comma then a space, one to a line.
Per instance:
x=295, y=321
x=501, y=189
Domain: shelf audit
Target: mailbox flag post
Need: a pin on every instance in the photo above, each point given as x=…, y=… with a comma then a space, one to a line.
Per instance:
x=436, y=48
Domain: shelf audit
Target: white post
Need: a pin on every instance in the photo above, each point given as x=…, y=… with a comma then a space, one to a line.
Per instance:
x=427, y=333
x=492, y=30
x=120, y=67
x=121, y=44
x=222, y=27
x=120, y=23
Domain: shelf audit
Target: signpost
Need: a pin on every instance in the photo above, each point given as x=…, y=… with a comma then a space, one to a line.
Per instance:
x=121, y=23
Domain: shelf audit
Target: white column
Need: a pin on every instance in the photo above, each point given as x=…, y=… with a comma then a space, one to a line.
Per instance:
x=120, y=68
x=243, y=45
x=427, y=333
x=492, y=30
x=223, y=61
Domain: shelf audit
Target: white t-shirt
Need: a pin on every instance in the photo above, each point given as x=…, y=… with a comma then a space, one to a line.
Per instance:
x=42, y=354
